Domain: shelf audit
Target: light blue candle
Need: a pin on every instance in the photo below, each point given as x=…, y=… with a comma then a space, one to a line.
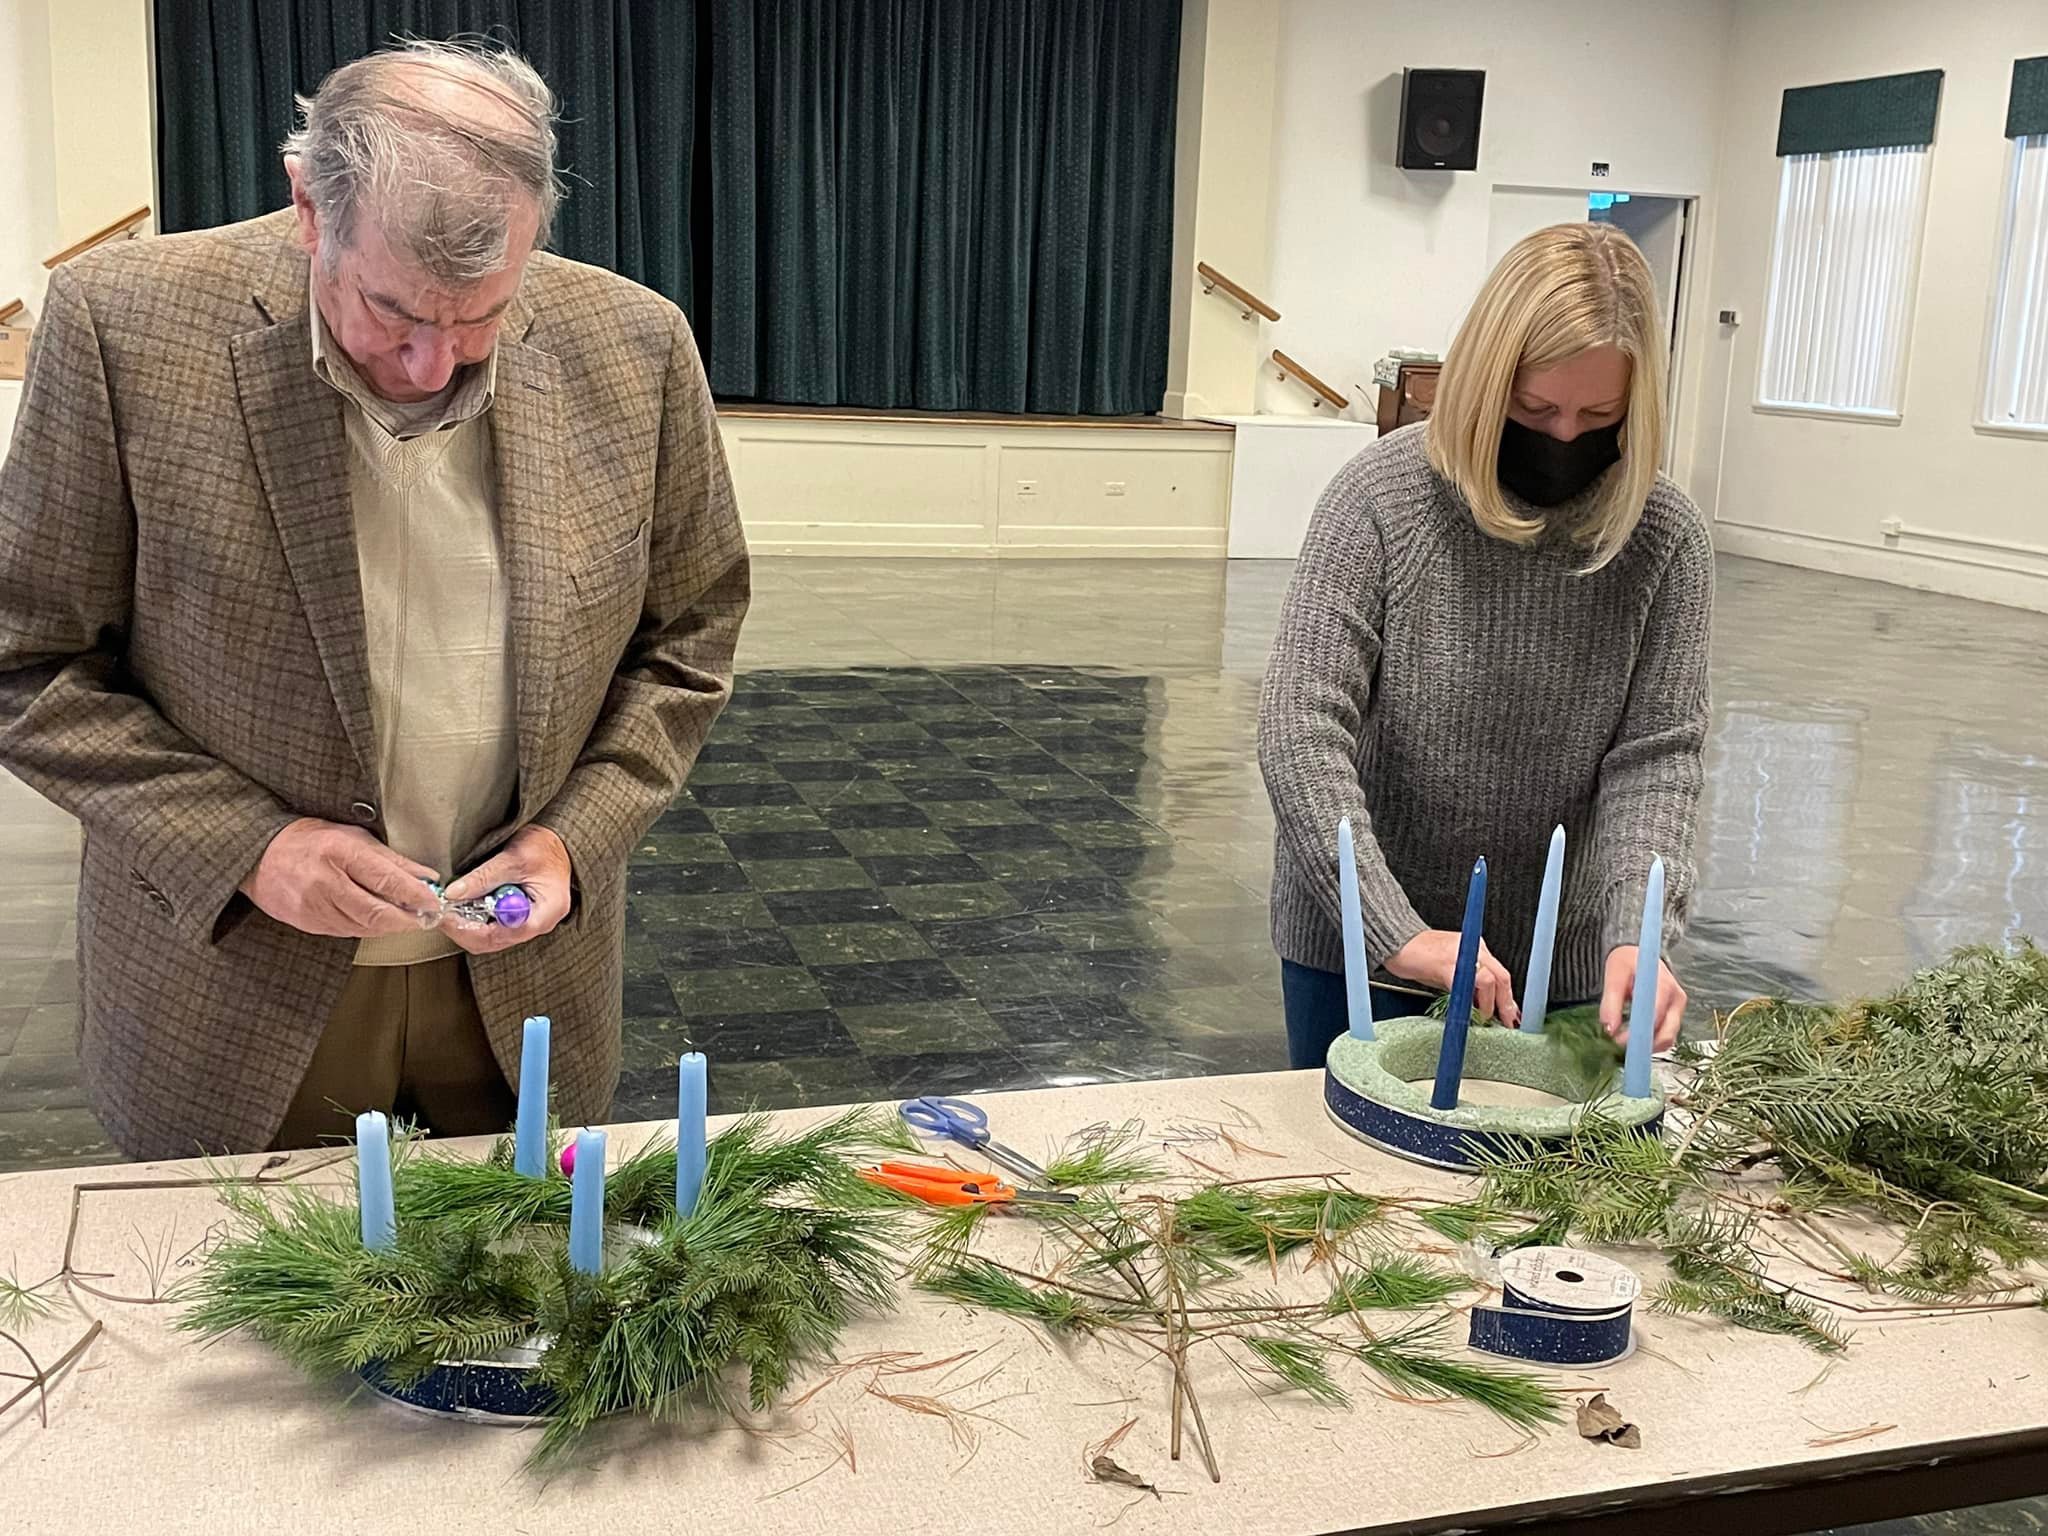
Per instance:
x=530, y=1143
x=1450, y=1058
x=689, y=1132
x=586, y=1205
x=1642, y=1013
x=373, y=1180
x=1536, y=996
x=1357, y=974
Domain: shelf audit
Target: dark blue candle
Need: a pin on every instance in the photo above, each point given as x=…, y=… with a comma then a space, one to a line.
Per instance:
x=1450, y=1060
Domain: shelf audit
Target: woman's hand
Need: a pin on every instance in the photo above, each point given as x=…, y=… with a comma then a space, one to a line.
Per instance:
x=1621, y=984
x=1432, y=956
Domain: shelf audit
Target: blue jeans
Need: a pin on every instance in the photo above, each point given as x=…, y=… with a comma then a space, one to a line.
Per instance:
x=1317, y=1012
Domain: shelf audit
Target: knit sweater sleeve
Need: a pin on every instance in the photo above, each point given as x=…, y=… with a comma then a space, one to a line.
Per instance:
x=1647, y=803
x=1313, y=707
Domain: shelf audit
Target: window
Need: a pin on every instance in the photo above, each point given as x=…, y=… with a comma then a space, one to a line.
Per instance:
x=2016, y=383
x=1842, y=277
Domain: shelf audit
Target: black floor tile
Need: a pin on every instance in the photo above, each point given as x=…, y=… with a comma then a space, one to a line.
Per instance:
x=682, y=817
x=826, y=770
x=1068, y=1020
x=818, y=843
x=1017, y=934
x=746, y=794
x=717, y=948
x=952, y=1073
x=1006, y=836
x=860, y=905
x=922, y=869
x=949, y=787
x=812, y=1032
x=893, y=981
x=899, y=813
x=685, y=879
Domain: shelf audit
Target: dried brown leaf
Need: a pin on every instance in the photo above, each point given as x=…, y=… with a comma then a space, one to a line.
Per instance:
x=1599, y=1420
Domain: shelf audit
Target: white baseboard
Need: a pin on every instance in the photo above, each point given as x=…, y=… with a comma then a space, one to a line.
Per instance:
x=1958, y=575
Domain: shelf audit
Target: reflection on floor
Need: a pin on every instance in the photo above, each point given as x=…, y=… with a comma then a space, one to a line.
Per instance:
x=973, y=825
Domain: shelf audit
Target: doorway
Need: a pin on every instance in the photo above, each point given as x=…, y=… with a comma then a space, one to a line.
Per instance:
x=1661, y=226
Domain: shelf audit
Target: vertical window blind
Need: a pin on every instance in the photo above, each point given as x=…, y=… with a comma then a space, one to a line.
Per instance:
x=2016, y=382
x=1843, y=270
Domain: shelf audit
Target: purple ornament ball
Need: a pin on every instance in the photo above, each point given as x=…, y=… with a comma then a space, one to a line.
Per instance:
x=511, y=907
x=569, y=1158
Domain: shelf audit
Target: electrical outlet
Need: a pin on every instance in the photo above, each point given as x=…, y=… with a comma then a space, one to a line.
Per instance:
x=1027, y=487
x=1730, y=317
x=1112, y=487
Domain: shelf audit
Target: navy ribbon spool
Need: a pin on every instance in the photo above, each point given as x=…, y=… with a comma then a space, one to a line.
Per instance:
x=1559, y=1306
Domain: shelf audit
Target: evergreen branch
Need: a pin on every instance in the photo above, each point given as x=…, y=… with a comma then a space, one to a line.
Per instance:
x=1299, y=1367
x=1103, y=1156
x=1399, y=1282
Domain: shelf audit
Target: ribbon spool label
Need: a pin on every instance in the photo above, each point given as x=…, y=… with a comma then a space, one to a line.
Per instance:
x=1559, y=1306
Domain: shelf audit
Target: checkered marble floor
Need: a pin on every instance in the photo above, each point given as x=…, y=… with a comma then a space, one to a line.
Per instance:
x=892, y=880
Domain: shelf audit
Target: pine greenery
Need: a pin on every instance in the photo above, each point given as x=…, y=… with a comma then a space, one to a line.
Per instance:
x=786, y=1246
x=1180, y=1269
x=1926, y=1108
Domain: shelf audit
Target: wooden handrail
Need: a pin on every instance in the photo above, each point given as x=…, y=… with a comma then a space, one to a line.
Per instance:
x=1250, y=302
x=121, y=226
x=1288, y=365
x=10, y=310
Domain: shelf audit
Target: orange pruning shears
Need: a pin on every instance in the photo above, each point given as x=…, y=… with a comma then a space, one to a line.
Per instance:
x=949, y=1186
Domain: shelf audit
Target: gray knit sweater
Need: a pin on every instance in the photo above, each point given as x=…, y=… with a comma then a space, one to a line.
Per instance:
x=1456, y=695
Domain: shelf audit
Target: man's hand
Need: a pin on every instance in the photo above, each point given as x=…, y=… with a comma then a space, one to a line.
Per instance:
x=535, y=858
x=1431, y=957
x=1620, y=988
x=323, y=878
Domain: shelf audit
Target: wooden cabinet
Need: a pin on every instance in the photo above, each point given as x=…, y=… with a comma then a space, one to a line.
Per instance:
x=1410, y=399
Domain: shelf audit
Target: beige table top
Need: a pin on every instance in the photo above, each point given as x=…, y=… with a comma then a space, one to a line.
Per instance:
x=227, y=1438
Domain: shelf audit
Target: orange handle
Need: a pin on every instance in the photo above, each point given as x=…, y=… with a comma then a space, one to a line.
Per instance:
x=939, y=1186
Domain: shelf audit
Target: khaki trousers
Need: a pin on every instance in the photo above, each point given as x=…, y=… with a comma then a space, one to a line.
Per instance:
x=406, y=1039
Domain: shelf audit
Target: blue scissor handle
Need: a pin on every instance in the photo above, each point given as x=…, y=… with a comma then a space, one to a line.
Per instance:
x=956, y=1118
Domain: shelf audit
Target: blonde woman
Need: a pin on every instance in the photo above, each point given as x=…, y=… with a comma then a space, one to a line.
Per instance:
x=1497, y=625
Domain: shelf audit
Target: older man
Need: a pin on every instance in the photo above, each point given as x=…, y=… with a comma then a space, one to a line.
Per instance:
x=349, y=546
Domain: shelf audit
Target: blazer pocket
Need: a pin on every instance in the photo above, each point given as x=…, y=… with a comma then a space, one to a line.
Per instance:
x=612, y=573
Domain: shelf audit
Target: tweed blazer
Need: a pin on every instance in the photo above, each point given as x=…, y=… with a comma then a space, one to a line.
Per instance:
x=183, y=659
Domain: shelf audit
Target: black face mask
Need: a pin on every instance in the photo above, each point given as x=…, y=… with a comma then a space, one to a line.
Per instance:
x=1545, y=472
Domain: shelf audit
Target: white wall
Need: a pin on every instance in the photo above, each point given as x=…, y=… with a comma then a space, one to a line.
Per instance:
x=1367, y=256
x=102, y=108
x=28, y=181
x=878, y=485
x=1814, y=491
x=28, y=185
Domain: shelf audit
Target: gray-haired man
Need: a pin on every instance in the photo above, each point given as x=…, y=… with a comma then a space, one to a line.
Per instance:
x=346, y=547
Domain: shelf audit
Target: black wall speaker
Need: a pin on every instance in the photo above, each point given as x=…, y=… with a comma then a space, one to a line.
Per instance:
x=1440, y=119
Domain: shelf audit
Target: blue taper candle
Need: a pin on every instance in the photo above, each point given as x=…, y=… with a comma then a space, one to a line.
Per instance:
x=690, y=1093
x=586, y=1204
x=1450, y=1058
x=530, y=1140
x=1357, y=974
x=373, y=1180
x=1642, y=1013
x=1536, y=998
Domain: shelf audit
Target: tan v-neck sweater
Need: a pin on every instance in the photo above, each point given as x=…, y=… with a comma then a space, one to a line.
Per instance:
x=436, y=612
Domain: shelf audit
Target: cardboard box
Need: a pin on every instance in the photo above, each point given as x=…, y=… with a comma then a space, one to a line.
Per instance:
x=13, y=351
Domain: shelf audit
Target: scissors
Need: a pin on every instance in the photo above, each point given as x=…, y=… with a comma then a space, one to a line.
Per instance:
x=967, y=1124
x=949, y=1186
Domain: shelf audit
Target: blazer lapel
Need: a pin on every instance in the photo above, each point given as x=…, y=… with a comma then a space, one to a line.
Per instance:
x=295, y=428
x=526, y=449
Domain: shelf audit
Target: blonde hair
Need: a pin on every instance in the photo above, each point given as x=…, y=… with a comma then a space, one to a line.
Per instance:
x=1557, y=293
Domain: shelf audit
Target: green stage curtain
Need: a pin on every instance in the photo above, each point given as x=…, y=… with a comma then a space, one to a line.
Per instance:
x=625, y=70
x=942, y=204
